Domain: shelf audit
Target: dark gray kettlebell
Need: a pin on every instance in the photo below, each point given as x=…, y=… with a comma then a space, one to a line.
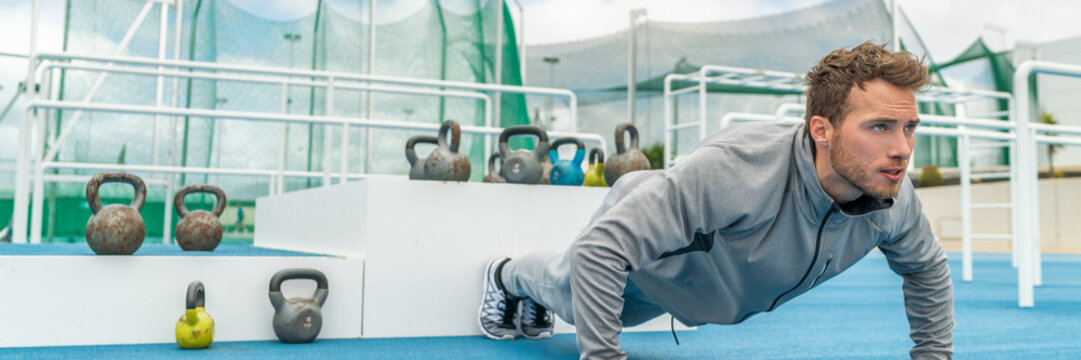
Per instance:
x=199, y=230
x=626, y=159
x=298, y=320
x=416, y=166
x=523, y=166
x=115, y=229
x=493, y=176
x=445, y=162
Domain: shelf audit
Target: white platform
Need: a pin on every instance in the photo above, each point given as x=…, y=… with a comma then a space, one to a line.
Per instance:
x=55, y=300
x=425, y=243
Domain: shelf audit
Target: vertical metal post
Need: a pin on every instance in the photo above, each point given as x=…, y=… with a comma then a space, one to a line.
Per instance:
x=966, y=196
x=894, y=20
x=668, y=133
x=1027, y=184
x=282, y=149
x=159, y=100
x=521, y=45
x=171, y=177
x=498, y=96
x=38, y=120
x=702, y=97
x=159, y=88
x=371, y=71
x=22, y=159
x=328, y=110
x=632, y=62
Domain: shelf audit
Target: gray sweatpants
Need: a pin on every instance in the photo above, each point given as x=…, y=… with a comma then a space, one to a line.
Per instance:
x=545, y=278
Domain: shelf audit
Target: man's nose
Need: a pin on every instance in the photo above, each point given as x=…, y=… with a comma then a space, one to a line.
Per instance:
x=901, y=146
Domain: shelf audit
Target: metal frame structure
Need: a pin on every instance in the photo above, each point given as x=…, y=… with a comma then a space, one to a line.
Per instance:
x=32, y=126
x=1030, y=272
x=1017, y=134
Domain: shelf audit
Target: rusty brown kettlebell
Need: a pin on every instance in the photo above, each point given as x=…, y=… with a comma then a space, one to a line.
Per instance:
x=445, y=162
x=626, y=159
x=199, y=230
x=493, y=176
x=115, y=229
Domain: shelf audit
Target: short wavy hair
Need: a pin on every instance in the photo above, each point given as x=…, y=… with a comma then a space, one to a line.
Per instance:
x=831, y=80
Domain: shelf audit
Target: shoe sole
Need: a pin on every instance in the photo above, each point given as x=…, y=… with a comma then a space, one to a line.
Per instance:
x=480, y=312
x=543, y=335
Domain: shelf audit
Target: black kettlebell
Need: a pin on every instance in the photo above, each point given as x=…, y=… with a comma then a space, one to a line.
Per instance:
x=416, y=166
x=199, y=230
x=626, y=159
x=493, y=176
x=445, y=162
x=523, y=166
x=115, y=229
x=298, y=320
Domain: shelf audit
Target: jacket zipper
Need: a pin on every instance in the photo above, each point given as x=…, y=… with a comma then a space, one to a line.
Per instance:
x=824, y=268
x=818, y=244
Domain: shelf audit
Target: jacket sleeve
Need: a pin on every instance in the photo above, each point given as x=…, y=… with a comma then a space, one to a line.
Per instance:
x=659, y=213
x=917, y=256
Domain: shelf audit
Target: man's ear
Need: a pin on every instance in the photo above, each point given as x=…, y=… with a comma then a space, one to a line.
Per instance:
x=821, y=131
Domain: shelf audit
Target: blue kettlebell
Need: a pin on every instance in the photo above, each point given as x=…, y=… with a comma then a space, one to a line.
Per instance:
x=567, y=172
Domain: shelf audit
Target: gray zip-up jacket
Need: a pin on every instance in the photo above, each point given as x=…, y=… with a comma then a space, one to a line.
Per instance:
x=741, y=226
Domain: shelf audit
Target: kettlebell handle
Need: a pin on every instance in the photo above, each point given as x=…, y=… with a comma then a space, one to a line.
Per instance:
x=455, y=135
x=542, y=140
x=568, y=140
x=596, y=156
x=626, y=127
x=219, y=204
x=491, y=162
x=94, y=200
x=553, y=150
x=410, y=153
x=297, y=273
x=196, y=295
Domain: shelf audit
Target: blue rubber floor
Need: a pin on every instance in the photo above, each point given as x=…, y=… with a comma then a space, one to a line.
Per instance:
x=857, y=315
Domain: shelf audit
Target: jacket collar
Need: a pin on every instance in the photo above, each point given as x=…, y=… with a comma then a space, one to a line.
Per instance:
x=820, y=202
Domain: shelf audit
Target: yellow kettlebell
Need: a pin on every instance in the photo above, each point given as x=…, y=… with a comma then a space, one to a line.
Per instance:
x=595, y=172
x=195, y=329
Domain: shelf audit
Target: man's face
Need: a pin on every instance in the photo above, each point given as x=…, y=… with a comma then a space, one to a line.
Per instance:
x=871, y=148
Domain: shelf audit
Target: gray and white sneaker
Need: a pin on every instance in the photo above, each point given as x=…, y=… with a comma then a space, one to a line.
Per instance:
x=536, y=321
x=498, y=310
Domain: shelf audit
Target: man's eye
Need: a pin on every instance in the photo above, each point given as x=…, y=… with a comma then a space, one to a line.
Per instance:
x=910, y=127
x=879, y=127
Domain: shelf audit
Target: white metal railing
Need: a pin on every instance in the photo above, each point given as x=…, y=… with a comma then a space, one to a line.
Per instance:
x=1030, y=272
x=964, y=128
x=285, y=77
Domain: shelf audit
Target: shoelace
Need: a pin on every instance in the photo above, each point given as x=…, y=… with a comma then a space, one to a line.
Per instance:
x=504, y=309
x=538, y=314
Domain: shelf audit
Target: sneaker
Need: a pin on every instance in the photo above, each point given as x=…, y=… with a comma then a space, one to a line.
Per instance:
x=498, y=309
x=536, y=321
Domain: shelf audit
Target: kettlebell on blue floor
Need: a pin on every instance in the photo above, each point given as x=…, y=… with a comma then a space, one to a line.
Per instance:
x=115, y=229
x=199, y=230
x=195, y=329
x=595, y=172
x=626, y=159
x=445, y=162
x=523, y=166
x=493, y=176
x=567, y=172
x=298, y=320
x=416, y=165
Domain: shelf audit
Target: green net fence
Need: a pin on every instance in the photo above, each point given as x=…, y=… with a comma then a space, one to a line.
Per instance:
x=431, y=41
